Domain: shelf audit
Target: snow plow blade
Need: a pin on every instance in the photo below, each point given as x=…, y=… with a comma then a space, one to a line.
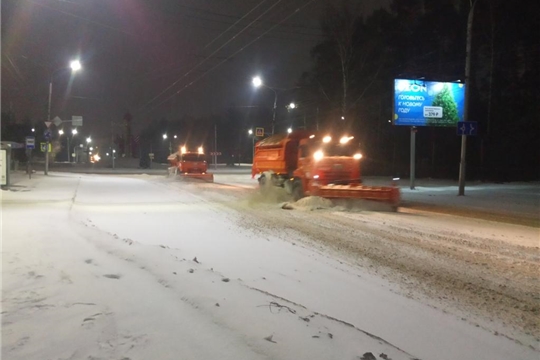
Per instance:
x=385, y=194
x=196, y=176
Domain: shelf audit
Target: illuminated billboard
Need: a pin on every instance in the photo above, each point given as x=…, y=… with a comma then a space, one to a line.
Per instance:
x=428, y=103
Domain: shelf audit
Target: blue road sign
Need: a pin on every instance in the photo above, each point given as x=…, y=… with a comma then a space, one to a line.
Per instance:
x=48, y=135
x=468, y=128
x=30, y=142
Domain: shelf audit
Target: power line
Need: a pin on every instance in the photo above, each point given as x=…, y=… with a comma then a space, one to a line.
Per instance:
x=237, y=52
x=233, y=25
x=215, y=51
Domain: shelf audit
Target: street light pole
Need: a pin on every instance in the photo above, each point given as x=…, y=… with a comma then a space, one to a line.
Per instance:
x=75, y=66
x=461, y=190
x=275, y=107
x=68, y=151
x=48, y=119
x=257, y=82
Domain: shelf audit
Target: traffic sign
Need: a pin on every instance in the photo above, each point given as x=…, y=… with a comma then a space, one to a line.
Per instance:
x=467, y=128
x=57, y=121
x=48, y=124
x=76, y=120
x=43, y=146
x=48, y=135
x=259, y=132
x=30, y=142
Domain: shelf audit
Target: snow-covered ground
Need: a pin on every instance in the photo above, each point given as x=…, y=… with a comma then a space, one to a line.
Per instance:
x=146, y=267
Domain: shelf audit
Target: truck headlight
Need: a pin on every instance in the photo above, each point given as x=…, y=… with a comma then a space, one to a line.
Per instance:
x=318, y=155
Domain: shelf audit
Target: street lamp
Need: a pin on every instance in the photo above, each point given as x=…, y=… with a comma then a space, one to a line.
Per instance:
x=33, y=129
x=257, y=82
x=292, y=106
x=75, y=65
x=289, y=130
x=73, y=132
x=170, y=145
x=88, y=140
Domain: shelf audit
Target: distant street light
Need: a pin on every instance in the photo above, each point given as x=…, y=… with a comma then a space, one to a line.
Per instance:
x=175, y=136
x=33, y=129
x=91, y=148
x=170, y=144
x=75, y=65
x=250, y=132
x=292, y=105
x=88, y=140
x=289, y=130
x=73, y=132
x=257, y=82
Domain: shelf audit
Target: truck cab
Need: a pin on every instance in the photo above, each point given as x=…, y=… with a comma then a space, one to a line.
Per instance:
x=190, y=164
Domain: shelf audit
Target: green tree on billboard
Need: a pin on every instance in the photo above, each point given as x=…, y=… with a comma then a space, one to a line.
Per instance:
x=445, y=100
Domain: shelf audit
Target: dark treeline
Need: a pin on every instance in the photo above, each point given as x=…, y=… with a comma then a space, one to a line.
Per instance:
x=354, y=67
x=226, y=132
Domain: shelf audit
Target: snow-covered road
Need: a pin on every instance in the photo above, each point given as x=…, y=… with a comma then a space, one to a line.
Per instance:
x=144, y=267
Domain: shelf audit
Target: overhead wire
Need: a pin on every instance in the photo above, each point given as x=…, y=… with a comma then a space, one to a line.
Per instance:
x=235, y=53
x=233, y=25
x=213, y=53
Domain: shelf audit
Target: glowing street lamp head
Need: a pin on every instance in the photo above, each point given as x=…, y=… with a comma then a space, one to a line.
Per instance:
x=33, y=129
x=61, y=132
x=257, y=81
x=250, y=132
x=88, y=140
x=289, y=130
x=164, y=136
x=75, y=65
x=292, y=106
x=175, y=136
x=74, y=131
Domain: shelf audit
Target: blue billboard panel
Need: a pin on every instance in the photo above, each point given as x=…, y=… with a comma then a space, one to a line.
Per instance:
x=428, y=103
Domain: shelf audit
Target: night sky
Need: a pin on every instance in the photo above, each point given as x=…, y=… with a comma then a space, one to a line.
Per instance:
x=137, y=54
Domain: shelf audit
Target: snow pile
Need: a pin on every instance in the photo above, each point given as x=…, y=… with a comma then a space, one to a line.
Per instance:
x=309, y=203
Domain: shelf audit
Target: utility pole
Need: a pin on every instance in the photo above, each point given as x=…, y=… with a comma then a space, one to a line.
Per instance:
x=48, y=119
x=461, y=191
x=215, y=146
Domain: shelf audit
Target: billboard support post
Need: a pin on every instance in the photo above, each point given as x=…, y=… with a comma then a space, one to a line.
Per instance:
x=461, y=182
x=413, y=157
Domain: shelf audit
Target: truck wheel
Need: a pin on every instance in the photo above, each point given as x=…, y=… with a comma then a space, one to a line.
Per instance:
x=297, y=191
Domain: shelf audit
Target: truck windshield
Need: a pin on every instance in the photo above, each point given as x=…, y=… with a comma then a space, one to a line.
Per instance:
x=192, y=157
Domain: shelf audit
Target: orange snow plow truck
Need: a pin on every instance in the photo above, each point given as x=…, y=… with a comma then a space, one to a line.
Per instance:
x=314, y=164
x=190, y=165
